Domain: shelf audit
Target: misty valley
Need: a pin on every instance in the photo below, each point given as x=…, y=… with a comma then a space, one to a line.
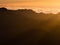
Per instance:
x=26, y=27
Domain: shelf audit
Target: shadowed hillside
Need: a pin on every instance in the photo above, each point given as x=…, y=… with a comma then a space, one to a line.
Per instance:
x=26, y=27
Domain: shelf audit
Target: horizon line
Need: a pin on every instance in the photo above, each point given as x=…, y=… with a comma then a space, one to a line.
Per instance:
x=37, y=10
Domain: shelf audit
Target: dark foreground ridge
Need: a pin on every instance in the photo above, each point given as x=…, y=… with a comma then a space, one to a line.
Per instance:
x=26, y=27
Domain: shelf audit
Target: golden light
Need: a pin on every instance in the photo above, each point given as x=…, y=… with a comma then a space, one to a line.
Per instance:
x=32, y=4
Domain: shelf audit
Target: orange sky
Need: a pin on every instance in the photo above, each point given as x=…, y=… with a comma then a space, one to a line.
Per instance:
x=31, y=4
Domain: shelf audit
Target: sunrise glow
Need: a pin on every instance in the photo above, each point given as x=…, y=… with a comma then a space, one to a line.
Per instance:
x=52, y=6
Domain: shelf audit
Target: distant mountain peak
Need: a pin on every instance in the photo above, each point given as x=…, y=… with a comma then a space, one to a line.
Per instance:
x=3, y=9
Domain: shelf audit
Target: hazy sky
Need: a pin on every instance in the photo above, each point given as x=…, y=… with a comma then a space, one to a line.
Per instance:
x=30, y=3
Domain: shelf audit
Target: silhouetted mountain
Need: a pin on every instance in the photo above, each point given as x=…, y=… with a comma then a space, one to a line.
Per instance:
x=1, y=9
x=26, y=27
